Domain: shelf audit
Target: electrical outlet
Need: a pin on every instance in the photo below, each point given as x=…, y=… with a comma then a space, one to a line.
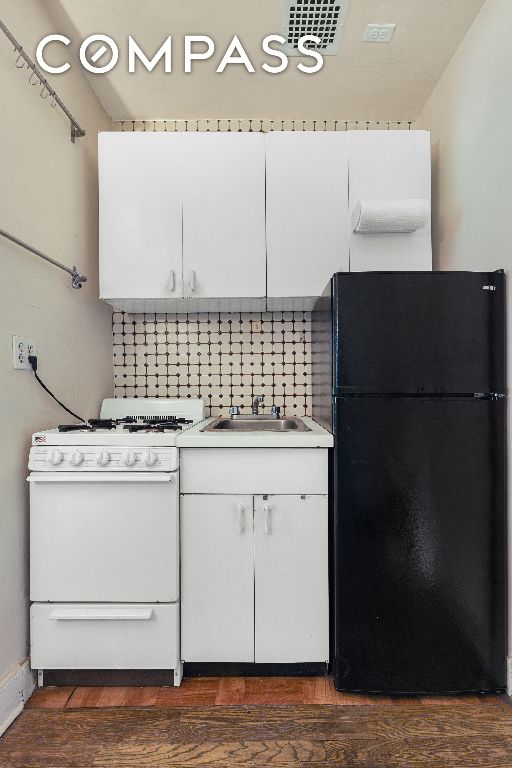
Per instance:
x=379, y=33
x=21, y=349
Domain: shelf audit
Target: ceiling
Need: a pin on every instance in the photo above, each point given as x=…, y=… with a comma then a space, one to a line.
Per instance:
x=364, y=81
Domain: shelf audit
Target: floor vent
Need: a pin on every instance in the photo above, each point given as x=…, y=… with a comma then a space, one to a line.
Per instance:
x=322, y=18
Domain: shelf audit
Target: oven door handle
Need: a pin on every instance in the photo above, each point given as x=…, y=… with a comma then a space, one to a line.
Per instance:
x=101, y=614
x=102, y=477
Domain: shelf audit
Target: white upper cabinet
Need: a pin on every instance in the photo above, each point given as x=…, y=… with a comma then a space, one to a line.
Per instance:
x=307, y=211
x=203, y=220
x=140, y=200
x=387, y=165
x=224, y=215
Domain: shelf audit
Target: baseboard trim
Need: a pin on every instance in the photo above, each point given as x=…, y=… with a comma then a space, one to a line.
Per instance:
x=509, y=676
x=16, y=687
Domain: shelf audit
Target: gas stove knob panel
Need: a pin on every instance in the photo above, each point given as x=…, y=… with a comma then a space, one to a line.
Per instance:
x=149, y=458
x=102, y=458
x=76, y=458
x=55, y=456
x=128, y=458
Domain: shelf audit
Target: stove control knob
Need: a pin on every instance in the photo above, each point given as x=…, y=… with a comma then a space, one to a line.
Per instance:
x=55, y=456
x=76, y=458
x=129, y=458
x=149, y=458
x=103, y=458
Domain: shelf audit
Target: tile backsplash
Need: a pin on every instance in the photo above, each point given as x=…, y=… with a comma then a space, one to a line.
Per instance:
x=224, y=358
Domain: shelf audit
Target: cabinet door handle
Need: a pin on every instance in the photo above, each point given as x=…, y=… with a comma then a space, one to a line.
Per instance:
x=241, y=518
x=266, y=519
x=171, y=283
x=192, y=280
x=101, y=614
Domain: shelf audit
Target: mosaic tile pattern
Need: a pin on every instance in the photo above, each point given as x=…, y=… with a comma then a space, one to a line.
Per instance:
x=257, y=124
x=225, y=358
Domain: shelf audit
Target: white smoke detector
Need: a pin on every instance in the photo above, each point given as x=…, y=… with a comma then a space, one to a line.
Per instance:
x=321, y=18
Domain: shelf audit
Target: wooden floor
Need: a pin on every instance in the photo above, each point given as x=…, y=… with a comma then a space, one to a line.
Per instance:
x=208, y=691
x=221, y=723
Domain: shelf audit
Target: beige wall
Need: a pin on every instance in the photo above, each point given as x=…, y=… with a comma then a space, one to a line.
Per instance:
x=48, y=197
x=470, y=116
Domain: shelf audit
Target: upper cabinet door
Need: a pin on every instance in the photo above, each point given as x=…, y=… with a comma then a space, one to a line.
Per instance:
x=224, y=215
x=140, y=199
x=389, y=165
x=307, y=211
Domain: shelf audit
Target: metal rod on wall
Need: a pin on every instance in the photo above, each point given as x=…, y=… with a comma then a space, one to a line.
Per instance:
x=76, y=278
x=76, y=130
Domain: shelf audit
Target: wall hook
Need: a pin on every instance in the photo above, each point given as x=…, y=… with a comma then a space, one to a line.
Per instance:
x=37, y=78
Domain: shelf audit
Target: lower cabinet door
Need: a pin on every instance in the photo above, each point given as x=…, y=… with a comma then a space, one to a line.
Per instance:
x=217, y=578
x=104, y=636
x=291, y=579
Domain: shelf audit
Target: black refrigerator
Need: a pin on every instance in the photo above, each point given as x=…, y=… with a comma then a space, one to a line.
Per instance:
x=409, y=374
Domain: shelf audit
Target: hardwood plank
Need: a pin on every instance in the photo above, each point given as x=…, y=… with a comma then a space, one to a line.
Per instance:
x=343, y=699
x=407, y=701
x=415, y=752
x=50, y=698
x=362, y=736
x=349, y=721
x=231, y=690
x=113, y=697
x=194, y=691
x=275, y=690
x=315, y=690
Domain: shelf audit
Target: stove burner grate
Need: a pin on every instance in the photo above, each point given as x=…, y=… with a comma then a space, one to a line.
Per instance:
x=131, y=423
x=172, y=423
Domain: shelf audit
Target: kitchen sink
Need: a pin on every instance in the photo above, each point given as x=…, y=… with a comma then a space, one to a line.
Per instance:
x=257, y=424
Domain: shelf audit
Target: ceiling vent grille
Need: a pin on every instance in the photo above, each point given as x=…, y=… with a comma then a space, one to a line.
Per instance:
x=321, y=18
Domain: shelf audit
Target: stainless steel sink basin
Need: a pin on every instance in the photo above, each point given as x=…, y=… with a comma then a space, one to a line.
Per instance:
x=259, y=424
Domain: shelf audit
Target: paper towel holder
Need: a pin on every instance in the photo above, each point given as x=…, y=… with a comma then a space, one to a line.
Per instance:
x=390, y=216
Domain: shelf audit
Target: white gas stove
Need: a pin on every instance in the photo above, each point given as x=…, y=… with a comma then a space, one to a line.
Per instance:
x=104, y=539
x=132, y=434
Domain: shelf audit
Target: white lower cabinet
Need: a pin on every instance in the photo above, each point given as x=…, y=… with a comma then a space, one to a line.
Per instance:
x=104, y=636
x=217, y=578
x=291, y=579
x=254, y=578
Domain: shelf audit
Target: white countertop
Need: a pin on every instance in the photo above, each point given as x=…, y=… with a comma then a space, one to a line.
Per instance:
x=194, y=437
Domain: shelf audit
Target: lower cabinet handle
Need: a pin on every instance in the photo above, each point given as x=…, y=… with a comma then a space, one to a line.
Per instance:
x=266, y=518
x=241, y=518
x=192, y=280
x=101, y=614
x=171, y=283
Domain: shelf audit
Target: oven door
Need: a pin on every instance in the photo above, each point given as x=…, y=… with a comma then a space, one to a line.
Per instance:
x=104, y=537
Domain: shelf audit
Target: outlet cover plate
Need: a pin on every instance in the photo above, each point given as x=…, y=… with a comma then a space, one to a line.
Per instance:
x=22, y=347
x=379, y=33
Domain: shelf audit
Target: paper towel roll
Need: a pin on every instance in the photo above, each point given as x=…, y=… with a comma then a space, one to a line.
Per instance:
x=374, y=216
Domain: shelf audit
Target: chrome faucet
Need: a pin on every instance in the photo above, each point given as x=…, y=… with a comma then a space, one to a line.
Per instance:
x=256, y=404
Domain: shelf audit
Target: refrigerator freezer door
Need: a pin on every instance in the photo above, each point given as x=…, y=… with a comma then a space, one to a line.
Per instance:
x=418, y=332
x=419, y=553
